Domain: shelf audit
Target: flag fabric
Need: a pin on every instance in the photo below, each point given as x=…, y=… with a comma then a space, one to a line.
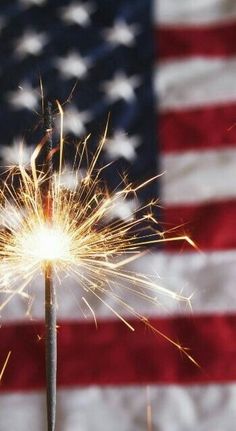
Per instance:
x=165, y=70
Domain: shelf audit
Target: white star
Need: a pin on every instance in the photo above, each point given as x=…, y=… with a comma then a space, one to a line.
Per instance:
x=77, y=13
x=121, y=208
x=30, y=43
x=73, y=65
x=71, y=179
x=121, y=33
x=121, y=87
x=28, y=3
x=24, y=97
x=17, y=153
x=74, y=121
x=121, y=145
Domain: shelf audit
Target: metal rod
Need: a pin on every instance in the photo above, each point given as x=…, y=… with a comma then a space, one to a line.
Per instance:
x=51, y=347
x=50, y=294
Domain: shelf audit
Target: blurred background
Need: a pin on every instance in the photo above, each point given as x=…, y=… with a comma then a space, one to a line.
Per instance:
x=165, y=71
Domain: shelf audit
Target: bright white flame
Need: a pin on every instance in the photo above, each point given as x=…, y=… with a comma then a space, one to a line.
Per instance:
x=46, y=243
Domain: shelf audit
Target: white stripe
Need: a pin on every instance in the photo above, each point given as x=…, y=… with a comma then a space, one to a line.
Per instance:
x=192, y=12
x=195, y=82
x=194, y=177
x=200, y=274
x=178, y=408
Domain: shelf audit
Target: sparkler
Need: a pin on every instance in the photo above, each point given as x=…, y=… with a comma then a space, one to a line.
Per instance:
x=65, y=232
x=50, y=293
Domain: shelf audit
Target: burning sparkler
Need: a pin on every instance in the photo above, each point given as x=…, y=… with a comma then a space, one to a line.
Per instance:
x=50, y=292
x=66, y=234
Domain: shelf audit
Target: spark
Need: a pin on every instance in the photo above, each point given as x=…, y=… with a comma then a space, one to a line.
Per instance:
x=78, y=242
x=5, y=365
x=92, y=311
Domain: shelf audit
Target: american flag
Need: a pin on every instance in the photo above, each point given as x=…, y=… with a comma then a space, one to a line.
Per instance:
x=165, y=70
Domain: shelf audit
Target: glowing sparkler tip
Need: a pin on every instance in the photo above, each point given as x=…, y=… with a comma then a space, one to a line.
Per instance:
x=46, y=243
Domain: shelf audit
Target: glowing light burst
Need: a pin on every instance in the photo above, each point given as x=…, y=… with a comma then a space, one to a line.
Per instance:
x=45, y=243
x=77, y=242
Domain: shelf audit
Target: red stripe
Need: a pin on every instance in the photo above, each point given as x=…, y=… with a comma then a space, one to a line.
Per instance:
x=211, y=226
x=177, y=42
x=208, y=127
x=115, y=355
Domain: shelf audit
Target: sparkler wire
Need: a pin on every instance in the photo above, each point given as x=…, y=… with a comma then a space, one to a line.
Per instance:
x=51, y=347
x=50, y=293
